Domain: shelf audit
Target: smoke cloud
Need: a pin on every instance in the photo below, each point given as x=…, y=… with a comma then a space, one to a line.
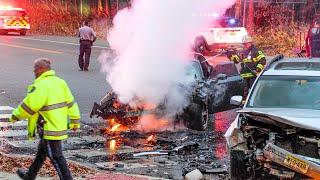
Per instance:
x=152, y=41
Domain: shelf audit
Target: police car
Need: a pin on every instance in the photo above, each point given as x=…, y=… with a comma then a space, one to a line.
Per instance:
x=13, y=20
x=225, y=33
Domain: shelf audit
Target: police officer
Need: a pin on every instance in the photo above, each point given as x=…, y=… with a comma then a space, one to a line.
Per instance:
x=47, y=106
x=87, y=37
x=252, y=62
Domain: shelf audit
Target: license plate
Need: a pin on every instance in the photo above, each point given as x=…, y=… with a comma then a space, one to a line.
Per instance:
x=232, y=34
x=296, y=163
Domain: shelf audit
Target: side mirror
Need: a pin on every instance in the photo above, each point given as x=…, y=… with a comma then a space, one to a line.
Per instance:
x=236, y=100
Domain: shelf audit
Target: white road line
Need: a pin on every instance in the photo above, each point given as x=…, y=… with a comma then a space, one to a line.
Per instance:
x=58, y=42
x=5, y=116
x=6, y=108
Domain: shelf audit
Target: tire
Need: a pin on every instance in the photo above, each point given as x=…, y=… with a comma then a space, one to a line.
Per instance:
x=196, y=117
x=238, y=168
x=23, y=32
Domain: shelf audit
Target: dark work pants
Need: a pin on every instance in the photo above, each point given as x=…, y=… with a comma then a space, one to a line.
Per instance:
x=52, y=149
x=248, y=82
x=85, y=50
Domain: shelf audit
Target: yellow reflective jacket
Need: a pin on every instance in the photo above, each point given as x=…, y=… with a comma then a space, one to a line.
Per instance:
x=50, y=97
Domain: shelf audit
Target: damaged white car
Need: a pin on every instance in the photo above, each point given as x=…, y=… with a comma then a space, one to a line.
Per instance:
x=277, y=133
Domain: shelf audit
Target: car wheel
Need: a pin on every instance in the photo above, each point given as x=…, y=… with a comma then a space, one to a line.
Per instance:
x=23, y=32
x=238, y=166
x=196, y=117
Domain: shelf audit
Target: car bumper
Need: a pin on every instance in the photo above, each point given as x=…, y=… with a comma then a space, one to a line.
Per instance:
x=14, y=28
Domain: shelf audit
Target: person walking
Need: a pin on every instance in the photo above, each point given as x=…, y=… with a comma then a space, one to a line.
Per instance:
x=87, y=38
x=50, y=109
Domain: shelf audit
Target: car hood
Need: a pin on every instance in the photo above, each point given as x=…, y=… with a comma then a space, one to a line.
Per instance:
x=301, y=118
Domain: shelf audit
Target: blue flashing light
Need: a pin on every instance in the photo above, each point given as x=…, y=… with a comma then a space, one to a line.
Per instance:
x=232, y=21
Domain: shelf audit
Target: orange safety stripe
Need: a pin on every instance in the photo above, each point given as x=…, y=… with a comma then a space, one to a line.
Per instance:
x=74, y=121
x=70, y=104
x=54, y=133
x=27, y=109
x=53, y=106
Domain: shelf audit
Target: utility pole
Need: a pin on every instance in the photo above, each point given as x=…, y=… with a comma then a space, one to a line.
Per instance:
x=244, y=13
x=250, y=22
x=81, y=7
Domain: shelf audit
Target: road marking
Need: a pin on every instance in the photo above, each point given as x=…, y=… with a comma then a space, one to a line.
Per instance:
x=58, y=42
x=5, y=116
x=31, y=48
x=6, y=108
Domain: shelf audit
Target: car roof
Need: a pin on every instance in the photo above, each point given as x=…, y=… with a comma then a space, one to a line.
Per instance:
x=294, y=67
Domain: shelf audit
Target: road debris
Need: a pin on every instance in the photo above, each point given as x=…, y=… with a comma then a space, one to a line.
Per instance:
x=186, y=148
x=150, y=153
x=194, y=175
x=10, y=163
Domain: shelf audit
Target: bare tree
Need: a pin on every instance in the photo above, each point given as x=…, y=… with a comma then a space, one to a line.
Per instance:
x=250, y=19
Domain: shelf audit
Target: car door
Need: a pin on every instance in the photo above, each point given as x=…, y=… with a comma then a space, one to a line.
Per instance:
x=228, y=76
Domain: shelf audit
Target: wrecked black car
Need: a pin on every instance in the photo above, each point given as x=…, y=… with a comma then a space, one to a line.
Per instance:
x=277, y=133
x=210, y=91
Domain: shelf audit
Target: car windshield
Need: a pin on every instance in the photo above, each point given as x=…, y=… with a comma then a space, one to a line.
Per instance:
x=12, y=13
x=286, y=92
x=193, y=72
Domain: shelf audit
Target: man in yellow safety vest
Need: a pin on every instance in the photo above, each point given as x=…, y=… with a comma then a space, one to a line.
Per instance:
x=50, y=110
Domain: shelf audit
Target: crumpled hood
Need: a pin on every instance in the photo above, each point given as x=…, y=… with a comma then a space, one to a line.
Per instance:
x=302, y=118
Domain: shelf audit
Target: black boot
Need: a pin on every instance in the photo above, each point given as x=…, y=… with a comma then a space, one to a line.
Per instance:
x=21, y=173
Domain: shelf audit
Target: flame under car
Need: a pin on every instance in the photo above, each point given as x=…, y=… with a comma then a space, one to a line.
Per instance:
x=208, y=94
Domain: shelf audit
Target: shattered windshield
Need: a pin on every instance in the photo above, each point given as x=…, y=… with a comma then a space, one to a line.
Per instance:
x=286, y=92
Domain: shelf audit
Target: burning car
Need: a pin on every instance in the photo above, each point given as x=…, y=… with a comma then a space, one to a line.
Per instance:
x=277, y=133
x=208, y=92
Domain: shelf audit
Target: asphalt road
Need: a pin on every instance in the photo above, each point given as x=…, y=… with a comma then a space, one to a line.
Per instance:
x=17, y=54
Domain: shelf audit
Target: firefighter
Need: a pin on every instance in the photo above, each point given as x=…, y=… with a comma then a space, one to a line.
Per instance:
x=87, y=38
x=47, y=106
x=252, y=61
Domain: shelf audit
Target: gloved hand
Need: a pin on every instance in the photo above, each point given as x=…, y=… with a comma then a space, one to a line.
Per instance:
x=256, y=73
x=74, y=126
x=13, y=118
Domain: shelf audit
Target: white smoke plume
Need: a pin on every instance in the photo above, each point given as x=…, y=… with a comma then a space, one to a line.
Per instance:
x=152, y=42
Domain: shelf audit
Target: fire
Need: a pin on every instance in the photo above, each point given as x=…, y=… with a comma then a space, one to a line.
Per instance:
x=112, y=145
x=150, y=138
x=115, y=127
x=151, y=123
